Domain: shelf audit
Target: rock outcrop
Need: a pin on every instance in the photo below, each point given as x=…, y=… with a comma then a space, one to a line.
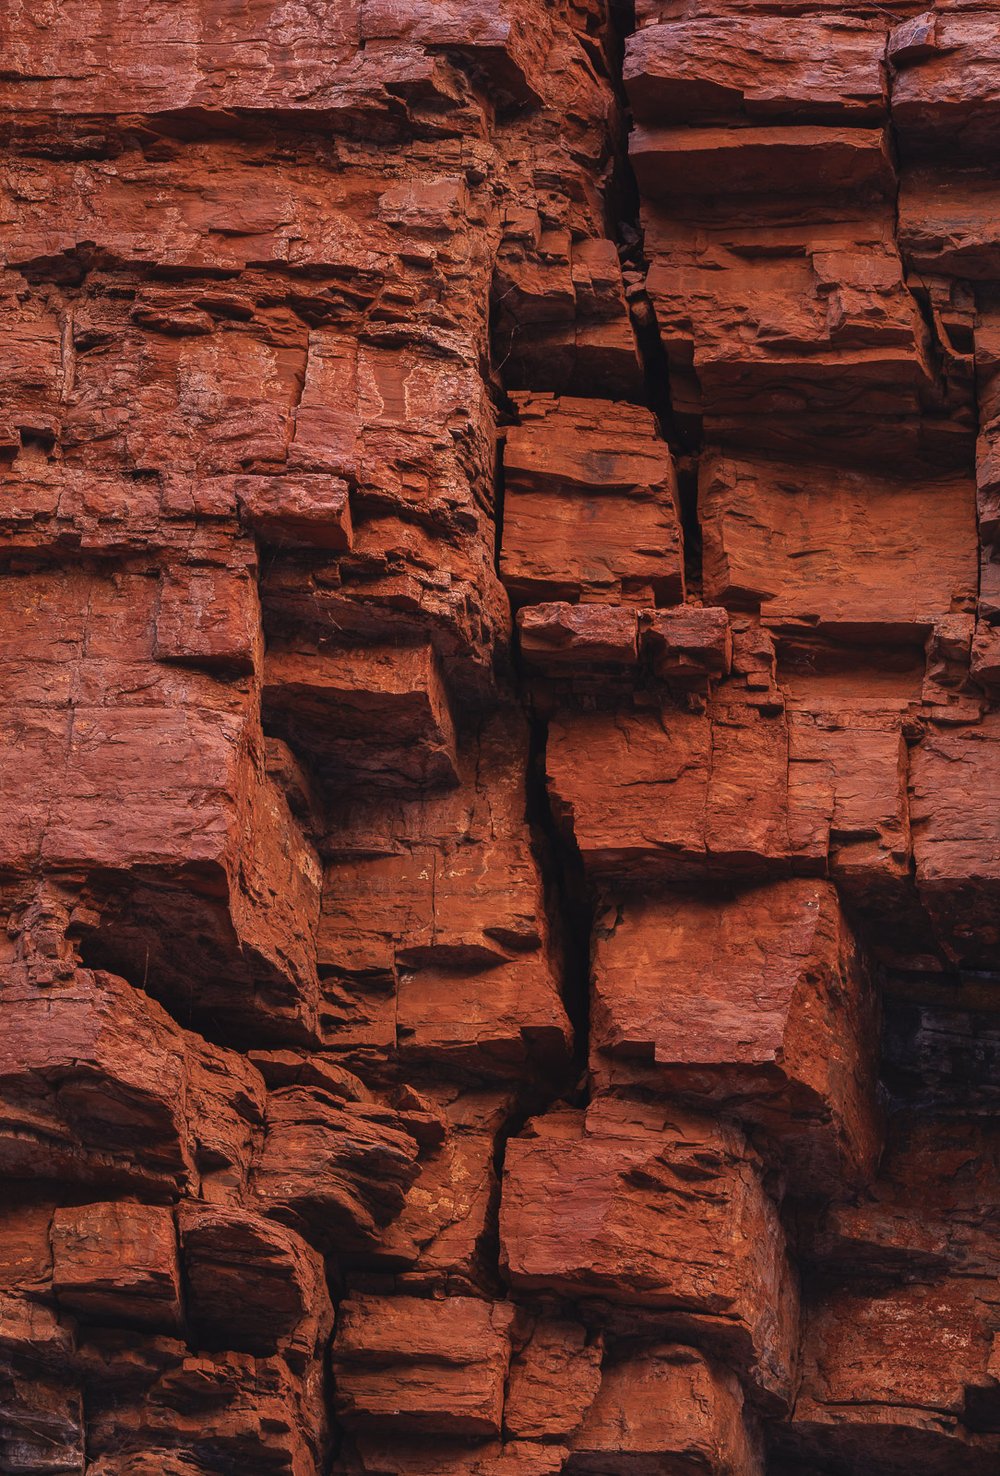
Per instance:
x=500, y=659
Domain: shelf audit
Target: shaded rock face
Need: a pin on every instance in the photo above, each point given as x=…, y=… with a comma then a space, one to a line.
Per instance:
x=500, y=733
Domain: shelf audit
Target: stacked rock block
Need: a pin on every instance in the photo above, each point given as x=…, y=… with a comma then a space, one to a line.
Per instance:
x=501, y=644
x=776, y=789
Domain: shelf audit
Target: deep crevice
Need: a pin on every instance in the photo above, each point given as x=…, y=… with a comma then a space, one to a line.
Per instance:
x=570, y=903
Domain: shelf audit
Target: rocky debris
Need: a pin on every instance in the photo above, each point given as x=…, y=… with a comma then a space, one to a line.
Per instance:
x=499, y=642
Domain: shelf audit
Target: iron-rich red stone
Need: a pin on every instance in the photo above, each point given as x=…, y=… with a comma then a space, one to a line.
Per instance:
x=499, y=659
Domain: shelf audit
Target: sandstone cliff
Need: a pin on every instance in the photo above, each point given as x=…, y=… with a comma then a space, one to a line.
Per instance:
x=500, y=658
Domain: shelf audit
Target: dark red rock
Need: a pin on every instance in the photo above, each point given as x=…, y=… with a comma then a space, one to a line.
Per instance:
x=118, y=1263
x=667, y=1406
x=589, y=505
x=447, y=1363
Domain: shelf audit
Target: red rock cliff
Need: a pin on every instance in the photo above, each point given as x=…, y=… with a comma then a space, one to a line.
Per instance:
x=500, y=736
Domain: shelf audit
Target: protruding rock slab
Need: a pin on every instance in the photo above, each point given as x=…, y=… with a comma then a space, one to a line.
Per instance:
x=757, y=1001
x=409, y=1364
x=835, y=547
x=667, y=1408
x=590, y=505
x=657, y=1210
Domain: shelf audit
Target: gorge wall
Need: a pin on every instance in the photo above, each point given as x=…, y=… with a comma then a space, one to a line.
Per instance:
x=500, y=659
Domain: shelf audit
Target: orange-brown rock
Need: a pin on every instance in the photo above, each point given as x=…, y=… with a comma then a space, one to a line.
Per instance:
x=377, y=715
x=955, y=843
x=803, y=69
x=756, y=1001
x=655, y=1210
x=337, y=1170
x=251, y=1284
x=932, y=1207
x=101, y=1087
x=679, y=792
x=165, y=846
x=425, y=1367
x=799, y=323
x=553, y=1381
x=901, y=1376
x=589, y=505
x=117, y=1262
x=665, y=1408
x=433, y=940
x=499, y=650
x=835, y=548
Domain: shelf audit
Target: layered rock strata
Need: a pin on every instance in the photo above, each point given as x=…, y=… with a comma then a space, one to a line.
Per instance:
x=500, y=649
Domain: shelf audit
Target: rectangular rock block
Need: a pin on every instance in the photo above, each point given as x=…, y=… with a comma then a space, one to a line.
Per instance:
x=945, y=95
x=666, y=795
x=560, y=638
x=117, y=1263
x=801, y=68
x=102, y=1088
x=665, y=1409
x=377, y=715
x=553, y=1381
x=590, y=509
x=305, y=511
x=654, y=1209
x=150, y=785
x=801, y=326
x=689, y=643
x=409, y=1364
x=336, y=1171
x=251, y=1284
x=835, y=547
x=954, y=773
x=758, y=1000
x=891, y=1377
x=671, y=163
x=434, y=938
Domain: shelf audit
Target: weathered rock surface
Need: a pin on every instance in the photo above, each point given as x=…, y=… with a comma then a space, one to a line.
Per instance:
x=755, y=1001
x=590, y=506
x=500, y=665
x=661, y=1212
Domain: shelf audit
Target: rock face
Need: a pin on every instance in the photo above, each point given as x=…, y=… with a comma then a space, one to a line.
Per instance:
x=500, y=659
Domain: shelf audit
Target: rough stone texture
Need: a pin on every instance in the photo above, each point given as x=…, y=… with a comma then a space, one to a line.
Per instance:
x=756, y=1000
x=500, y=665
x=663, y=1214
